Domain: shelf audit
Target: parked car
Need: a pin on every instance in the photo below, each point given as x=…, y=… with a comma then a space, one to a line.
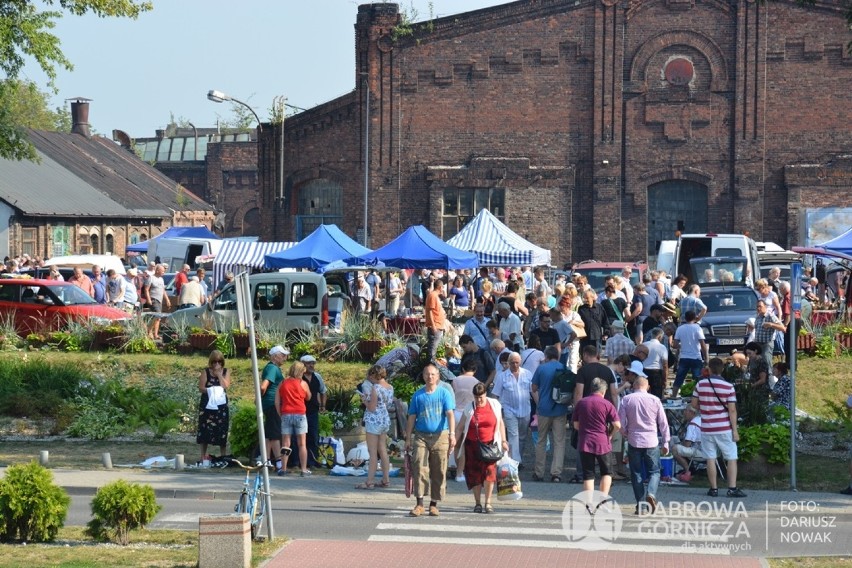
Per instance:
x=284, y=300
x=47, y=305
x=728, y=308
x=596, y=272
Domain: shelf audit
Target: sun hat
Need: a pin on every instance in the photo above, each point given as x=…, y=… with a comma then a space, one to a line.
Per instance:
x=637, y=369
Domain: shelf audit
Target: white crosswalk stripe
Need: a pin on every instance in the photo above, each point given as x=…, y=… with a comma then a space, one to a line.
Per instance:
x=543, y=530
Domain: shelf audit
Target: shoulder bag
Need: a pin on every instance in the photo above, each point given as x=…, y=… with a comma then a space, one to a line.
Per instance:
x=489, y=453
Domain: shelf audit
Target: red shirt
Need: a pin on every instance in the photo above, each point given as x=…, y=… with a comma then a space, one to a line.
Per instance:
x=292, y=396
x=487, y=423
x=180, y=280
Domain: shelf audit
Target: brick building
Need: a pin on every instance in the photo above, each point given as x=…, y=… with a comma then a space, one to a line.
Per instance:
x=87, y=194
x=595, y=128
x=221, y=168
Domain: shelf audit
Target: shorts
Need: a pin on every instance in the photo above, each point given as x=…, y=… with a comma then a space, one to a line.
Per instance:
x=271, y=423
x=714, y=444
x=687, y=451
x=294, y=424
x=377, y=429
x=587, y=462
x=156, y=305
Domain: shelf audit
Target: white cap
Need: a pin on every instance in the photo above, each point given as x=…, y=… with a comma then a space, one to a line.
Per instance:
x=308, y=359
x=637, y=369
x=279, y=350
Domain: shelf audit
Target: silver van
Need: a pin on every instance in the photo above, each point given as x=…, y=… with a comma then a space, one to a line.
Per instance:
x=286, y=301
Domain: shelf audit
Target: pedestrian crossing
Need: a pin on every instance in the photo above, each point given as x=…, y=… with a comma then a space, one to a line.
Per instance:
x=517, y=528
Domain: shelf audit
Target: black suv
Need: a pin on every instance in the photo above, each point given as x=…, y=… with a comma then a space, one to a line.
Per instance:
x=728, y=308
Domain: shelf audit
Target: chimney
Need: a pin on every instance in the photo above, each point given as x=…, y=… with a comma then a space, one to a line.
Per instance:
x=122, y=138
x=80, y=116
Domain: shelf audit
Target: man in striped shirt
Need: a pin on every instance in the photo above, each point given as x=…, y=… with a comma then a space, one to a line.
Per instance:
x=715, y=399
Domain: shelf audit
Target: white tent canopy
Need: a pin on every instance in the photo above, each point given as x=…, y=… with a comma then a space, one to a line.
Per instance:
x=236, y=255
x=498, y=245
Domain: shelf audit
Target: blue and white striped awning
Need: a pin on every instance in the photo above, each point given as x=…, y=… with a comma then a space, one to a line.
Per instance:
x=496, y=244
x=237, y=255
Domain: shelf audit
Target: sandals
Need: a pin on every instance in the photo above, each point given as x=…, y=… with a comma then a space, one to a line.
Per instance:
x=384, y=483
x=365, y=486
x=477, y=508
x=488, y=508
x=576, y=479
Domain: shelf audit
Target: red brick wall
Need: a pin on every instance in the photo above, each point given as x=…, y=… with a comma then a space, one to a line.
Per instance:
x=575, y=92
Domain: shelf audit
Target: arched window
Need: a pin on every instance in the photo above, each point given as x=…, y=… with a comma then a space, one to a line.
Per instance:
x=675, y=205
x=109, y=244
x=93, y=241
x=320, y=202
x=251, y=222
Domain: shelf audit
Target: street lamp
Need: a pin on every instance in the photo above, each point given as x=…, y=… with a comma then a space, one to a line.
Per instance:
x=220, y=97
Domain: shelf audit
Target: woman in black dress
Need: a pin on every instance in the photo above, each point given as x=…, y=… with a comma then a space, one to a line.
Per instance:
x=213, y=416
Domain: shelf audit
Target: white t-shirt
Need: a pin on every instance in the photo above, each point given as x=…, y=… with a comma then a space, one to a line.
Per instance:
x=690, y=336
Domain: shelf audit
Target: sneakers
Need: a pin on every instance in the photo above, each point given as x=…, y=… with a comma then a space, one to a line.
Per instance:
x=652, y=503
x=712, y=492
x=306, y=473
x=685, y=477
x=416, y=511
x=735, y=493
x=460, y=478
x=434, y=512
x=283, y=471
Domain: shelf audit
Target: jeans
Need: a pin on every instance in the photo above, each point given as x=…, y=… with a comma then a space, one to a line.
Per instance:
x=685, y=366
x=517, y=429
x=651, y=458
x=433, y=339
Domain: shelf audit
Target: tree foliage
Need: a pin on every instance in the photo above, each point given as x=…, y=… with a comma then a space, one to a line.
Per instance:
x=26, y=33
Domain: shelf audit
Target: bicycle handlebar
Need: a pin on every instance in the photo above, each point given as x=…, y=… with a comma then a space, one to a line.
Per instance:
x=246, y=467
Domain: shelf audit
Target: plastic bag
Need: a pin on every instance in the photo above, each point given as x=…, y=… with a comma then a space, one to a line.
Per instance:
x=508, y=480
x=358, y=456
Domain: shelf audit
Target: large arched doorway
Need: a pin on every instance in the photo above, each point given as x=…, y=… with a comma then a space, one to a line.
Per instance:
x=320, y=203
x=675, y=205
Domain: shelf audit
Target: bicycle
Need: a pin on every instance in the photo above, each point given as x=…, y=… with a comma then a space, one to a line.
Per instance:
x=252, y=500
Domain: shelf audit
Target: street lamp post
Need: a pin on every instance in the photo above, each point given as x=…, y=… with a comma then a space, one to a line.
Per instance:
x=220, y=97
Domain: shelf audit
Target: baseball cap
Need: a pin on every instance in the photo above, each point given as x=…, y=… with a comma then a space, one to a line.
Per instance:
x=308, y=359
x=279, y=350
x=618, y=324
x=414, y=347
x=637, y=369
x=132, y=272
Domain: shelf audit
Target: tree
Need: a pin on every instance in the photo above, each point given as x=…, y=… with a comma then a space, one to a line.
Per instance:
x=25, y=33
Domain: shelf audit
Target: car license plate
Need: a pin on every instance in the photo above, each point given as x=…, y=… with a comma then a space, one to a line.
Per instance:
x=729, y=341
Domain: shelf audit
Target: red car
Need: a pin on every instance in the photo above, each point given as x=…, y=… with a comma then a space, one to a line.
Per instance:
x=46, y=305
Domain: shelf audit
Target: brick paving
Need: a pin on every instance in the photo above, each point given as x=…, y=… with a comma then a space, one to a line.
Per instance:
x=364, y=554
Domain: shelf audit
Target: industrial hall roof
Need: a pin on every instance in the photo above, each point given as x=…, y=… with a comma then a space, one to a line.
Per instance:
x=90, y=177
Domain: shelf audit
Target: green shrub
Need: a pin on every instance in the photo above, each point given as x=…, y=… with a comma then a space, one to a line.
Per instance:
x=243, y=435
x=119, y=508
x=770, y=440
x=404, y=387
x=32, y=507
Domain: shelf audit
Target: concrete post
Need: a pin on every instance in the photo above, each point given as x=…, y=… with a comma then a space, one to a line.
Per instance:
x=224, y=541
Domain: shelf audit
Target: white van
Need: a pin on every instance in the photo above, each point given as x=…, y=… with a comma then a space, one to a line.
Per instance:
x=712, y=244
x=285, y=301
x=174, y=252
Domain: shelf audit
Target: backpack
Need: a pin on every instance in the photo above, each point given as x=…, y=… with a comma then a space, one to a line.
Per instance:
x=562, y=386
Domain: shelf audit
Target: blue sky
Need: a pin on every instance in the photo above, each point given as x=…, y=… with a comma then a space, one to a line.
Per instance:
x=138, y=72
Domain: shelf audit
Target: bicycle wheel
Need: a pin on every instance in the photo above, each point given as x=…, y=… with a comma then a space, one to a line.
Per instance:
x=242, y=504
x=258, y=511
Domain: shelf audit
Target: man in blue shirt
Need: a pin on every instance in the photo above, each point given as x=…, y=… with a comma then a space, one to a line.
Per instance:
x=552, y=417
x=430, y=433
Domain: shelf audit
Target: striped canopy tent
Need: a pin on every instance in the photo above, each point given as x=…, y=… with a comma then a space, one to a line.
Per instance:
x=237, y=255
x=496, y=244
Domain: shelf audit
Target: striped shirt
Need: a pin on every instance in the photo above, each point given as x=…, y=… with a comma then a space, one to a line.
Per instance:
x=714, y=416
x=691, y=304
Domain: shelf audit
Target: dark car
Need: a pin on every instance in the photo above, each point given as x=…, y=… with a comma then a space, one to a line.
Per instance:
x=728, y=309
x=47, y=305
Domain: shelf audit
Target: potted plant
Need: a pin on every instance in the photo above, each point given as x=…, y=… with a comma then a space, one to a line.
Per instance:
x=178, y=336
x=202, y=339
x=844, y=336
x=241, y=340
x=111, y=335
x=806, y=341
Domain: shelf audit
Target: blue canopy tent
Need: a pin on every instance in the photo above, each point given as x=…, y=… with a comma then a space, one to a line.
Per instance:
x=418, y=248
x=325, y=245
x=171, y=232
x=496, y=244
x=842, y=243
